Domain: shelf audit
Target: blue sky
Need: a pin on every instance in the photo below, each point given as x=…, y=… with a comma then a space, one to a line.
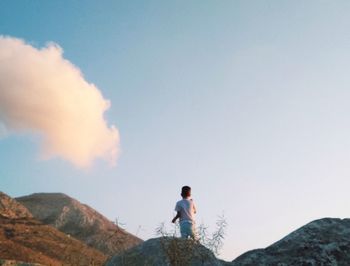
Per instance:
x=245, y=101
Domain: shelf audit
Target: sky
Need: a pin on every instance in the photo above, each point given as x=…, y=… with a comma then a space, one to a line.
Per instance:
x=245, y=101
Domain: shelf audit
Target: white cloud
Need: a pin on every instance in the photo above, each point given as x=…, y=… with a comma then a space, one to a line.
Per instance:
x=41, y=91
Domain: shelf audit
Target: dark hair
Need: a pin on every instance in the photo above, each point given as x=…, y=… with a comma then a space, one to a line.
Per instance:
x=185, y=191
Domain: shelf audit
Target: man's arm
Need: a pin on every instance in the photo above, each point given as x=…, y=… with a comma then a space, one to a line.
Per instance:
x=176, y=217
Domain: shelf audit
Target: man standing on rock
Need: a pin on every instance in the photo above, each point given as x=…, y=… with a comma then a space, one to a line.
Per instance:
x=186, y=210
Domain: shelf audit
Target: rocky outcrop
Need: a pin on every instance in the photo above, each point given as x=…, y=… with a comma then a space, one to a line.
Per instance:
x=321, y=242
x=166, y=251
x=80, y=221
x=10, y=208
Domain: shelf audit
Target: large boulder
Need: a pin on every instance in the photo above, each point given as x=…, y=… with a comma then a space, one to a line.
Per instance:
x=166, y=251
x=321, y=242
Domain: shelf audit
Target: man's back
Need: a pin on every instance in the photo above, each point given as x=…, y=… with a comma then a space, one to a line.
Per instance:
x=187, y=210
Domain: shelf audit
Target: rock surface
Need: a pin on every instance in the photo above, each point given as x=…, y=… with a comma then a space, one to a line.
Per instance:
x=321, y=242
x=166, y=251
x=80, y=221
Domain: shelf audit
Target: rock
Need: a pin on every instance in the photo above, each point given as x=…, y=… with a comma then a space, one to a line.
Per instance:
x=80, y=221
x=166, y=251
x=321, y=242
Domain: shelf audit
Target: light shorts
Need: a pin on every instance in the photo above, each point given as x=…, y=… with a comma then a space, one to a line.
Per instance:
x=187, y=229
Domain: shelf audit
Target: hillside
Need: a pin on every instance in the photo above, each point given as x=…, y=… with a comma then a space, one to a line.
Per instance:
x=24, y=238
x=80, y=221
x=321, y=242
x=10, y=208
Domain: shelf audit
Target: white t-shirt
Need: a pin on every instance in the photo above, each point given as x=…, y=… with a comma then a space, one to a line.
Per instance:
x=187, y=210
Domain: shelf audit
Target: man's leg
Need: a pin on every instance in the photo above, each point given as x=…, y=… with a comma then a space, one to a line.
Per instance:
x=185, y=229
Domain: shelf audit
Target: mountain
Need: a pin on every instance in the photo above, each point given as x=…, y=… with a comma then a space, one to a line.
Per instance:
x=23, y=238
x=166, y=251
x=321, y=242
x=80, y=221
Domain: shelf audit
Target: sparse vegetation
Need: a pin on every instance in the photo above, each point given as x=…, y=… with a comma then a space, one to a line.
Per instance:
x=182, y=251
x=215, y=241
